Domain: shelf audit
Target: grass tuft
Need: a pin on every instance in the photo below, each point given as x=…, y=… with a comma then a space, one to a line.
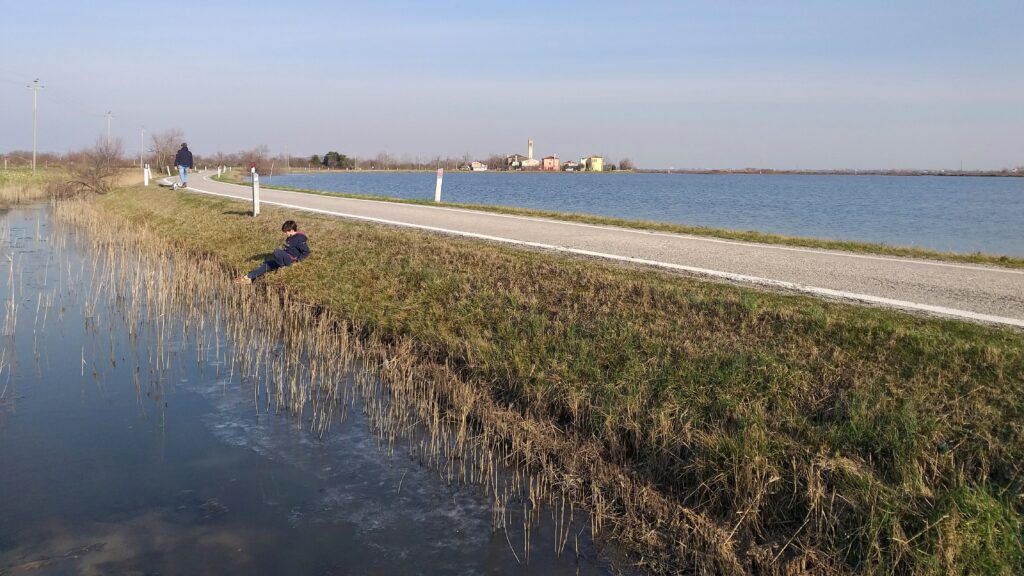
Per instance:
x=18, y=186
x=712, y=428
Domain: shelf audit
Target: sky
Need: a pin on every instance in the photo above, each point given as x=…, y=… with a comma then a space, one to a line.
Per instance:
x=669, y=84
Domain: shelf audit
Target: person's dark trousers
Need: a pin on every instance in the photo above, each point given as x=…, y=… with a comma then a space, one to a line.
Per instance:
x=280, y=260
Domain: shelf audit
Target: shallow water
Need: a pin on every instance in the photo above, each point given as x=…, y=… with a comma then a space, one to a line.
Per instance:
x=146, y=454
x=958, y=214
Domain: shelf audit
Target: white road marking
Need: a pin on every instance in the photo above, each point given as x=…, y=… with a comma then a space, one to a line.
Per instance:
x=919, y=262
x=741, y=278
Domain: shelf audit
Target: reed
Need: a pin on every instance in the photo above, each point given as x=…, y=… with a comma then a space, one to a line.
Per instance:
x=7, y=382
x=293, y=357
x=22, y=186
x=711, y=428
x=11, y=303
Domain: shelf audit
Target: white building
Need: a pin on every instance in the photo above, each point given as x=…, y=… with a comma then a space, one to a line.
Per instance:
x=517, y=162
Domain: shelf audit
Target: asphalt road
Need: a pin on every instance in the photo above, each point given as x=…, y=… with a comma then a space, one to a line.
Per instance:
x=965, y=291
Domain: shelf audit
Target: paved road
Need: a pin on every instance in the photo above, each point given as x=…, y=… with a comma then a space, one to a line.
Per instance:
x=965, y=291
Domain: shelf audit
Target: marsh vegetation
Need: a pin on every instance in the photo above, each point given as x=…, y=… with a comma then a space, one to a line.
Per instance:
x=89, y=171
x=21, y=186
x=150, y=310
x=305, y=361
x=710, y=428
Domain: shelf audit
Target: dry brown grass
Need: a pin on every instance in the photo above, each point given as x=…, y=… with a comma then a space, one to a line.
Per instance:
x=714, y=429
x=21, y=186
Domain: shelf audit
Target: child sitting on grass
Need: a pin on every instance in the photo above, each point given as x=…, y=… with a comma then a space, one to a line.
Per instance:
x=295, y=249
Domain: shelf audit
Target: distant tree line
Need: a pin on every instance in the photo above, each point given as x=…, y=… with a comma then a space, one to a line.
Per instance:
x=386, y=161
x=334, y=160
x=162, y=147
x=23, y=159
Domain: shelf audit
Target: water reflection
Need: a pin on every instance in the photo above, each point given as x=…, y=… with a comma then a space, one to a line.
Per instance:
x=129, y=443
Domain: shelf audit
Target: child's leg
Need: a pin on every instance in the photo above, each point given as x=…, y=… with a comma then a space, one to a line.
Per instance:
x=280, y=260
x=261, y=270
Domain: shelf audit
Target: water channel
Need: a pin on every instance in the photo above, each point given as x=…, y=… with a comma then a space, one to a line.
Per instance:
x=131, y=446
x=957, y=214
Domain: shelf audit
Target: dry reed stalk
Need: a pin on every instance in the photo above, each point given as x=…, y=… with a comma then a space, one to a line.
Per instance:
x=305, y=358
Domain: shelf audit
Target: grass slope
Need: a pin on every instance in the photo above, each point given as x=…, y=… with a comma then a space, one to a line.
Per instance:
x=746, y=236
x=824, y=436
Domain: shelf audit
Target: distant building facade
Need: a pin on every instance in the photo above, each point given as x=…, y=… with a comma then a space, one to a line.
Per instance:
x=517, y=162
x=552, y=163
x=520, y=162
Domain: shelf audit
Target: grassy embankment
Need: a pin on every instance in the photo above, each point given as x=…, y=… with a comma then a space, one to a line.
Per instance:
x=237, y=177
x=801, y=434
x=21, y=185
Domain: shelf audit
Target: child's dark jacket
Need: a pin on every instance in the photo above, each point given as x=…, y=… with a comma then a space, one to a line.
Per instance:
x=296, y=246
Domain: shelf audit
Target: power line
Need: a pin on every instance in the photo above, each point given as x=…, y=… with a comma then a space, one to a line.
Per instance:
x=69, y=103
x=13, y=76
x=57, y=94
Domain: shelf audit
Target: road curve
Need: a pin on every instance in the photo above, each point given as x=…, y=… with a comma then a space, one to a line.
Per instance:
x=970, y=292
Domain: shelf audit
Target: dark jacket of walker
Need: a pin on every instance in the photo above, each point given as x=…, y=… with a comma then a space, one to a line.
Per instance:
x=183, y=158
x=296, y=246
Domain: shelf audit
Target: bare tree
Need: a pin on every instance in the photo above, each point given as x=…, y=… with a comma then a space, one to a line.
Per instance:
x=165, y=145
x=626, y=164
x=94, y=171
x=496, y=162
x=260, y=156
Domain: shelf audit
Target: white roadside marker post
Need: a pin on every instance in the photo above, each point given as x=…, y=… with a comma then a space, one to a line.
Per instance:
x=255, y=193
x=437, y=189
x=145, y=175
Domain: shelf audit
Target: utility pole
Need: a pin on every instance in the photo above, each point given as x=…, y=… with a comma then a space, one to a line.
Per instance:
x=142, y=146
x=109, y=115
x=35, y=107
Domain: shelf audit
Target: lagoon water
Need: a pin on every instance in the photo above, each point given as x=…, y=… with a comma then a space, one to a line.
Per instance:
x=127, y=448
x=957, y=214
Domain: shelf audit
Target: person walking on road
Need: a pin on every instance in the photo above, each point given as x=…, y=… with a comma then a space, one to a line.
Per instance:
x=183, y=160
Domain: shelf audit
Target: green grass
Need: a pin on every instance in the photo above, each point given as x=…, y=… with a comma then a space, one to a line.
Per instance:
x=746, y=236
x=838, y=436
x=21, y=185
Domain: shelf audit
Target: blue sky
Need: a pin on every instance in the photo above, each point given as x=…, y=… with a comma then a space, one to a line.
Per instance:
x=822, y=84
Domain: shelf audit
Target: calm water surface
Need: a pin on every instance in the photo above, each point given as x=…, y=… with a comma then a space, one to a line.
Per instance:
x=958, y=214
x=116, y=458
